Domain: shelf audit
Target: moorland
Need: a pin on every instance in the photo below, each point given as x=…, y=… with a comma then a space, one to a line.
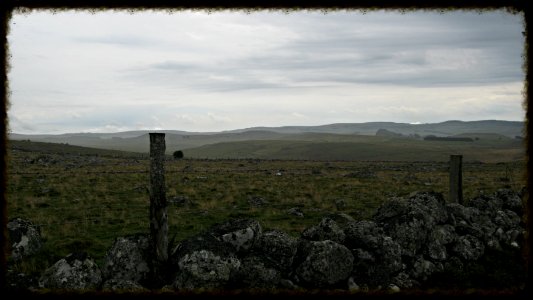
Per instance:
x=83, y=198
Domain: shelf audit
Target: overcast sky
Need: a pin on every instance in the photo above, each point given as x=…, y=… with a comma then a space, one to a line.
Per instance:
x=74, y=71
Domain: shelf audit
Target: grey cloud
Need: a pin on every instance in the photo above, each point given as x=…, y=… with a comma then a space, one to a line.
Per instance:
x=373, y=48
x=201, y=77
x=173, y=66
x=120, y=40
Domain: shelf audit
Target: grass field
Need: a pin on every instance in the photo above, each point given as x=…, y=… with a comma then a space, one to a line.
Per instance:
x=83, y=199
x=327, y=147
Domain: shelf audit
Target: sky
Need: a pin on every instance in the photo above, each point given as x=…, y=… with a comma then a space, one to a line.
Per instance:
x=111, y=71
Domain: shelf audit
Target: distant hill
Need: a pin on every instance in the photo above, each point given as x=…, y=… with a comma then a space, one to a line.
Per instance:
x=385, y=132
x=65, y=149
x=309, y=138
x=508, y=128
x=365, y=148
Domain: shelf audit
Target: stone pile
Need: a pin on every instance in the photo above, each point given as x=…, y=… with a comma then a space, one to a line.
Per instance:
x=407, y=242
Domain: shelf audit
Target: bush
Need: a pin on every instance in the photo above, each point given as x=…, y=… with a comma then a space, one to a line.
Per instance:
x=178, y=154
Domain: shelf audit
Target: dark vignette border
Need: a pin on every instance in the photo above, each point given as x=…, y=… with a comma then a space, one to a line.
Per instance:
x=7, y=7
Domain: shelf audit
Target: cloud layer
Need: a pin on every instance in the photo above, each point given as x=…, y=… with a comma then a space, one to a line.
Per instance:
x=76, y=71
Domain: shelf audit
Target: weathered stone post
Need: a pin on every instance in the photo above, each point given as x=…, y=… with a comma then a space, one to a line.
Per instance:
x=456, y=179
x=158, y=201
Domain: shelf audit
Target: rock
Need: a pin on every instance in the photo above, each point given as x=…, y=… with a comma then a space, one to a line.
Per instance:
x=341, y=219
x=486, y=204
x=407, y=242
x=202, y=241
x=410, y=224
x=352, y=286
x=240, y=234
x=511, y=200
x=468, y=247
x=363, y=174
x=453, y=265
x=205, y=270
x=392, y=209
x=430, y=205
x=375, y=267
x=123, y=286
x=278, y=248
x=288, y=284
x=389, y=256
x=363, y=234
x=484, y=224
x=257, y=201
x=459, y=213
x=392, y=288
x=128, y=260
x=255, y=273
x=18, y=281
x=439, y=238
x=422, y=269
x=507, y=219
x=182, y=200
x=323, y=263
x=340, y=204
x=327, y=229
x=25, y=238
x=363, y=263
x=296, y=211
x=403, y=281
x=75, y=271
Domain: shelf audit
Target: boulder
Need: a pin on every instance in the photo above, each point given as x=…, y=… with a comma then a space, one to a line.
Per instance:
x=457, y=213
x=77, y=271
x=342, y=219
x=278, y=248
x=128, y=260
x=204, y=270
x=439, y=237
x=468, y=247
x=323, y=264
x=487, y=204
x=376, y=266
x=240, y=234
x=327, y=229
x=25, y=238
x=422, y=269
x=511, y=200
x=410, y=224
x=256, y=273
x=363, y=234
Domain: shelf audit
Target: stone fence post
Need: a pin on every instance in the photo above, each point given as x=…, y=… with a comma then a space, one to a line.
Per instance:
x=158, y=201
x=456, y=179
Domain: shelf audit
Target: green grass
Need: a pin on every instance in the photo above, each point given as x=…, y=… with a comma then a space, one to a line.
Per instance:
x=327, y=147
x=83, y=202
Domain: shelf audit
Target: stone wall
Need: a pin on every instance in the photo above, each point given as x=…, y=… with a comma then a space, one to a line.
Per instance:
x=409, y=244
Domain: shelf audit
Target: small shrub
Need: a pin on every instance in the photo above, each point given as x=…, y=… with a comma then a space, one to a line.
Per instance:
x=178, y=154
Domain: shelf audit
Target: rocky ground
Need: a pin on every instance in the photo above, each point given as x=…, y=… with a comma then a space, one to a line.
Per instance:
x=416, y=243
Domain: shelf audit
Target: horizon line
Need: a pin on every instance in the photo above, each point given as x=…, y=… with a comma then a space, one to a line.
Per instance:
x=260, y=126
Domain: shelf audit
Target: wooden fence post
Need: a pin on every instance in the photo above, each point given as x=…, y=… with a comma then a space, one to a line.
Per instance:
x=158, y=201
x=456, y=179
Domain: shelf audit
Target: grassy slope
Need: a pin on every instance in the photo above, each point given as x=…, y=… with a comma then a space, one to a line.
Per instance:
x=337, y=147
x=86, y=206
x=138, y=141
x=57, y=148
x=309, y=146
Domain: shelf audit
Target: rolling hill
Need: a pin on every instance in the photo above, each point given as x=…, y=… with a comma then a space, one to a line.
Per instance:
x=364, y=148
x=493, y=140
